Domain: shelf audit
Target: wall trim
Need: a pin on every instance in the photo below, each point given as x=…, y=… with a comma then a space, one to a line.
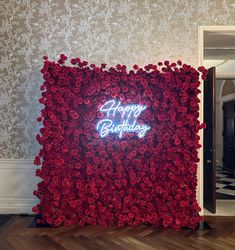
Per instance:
x=227, y=98
x=21, y=163
x=17, y=183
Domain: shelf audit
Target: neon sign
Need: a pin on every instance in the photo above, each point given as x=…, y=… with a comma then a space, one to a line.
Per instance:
x=121, y=119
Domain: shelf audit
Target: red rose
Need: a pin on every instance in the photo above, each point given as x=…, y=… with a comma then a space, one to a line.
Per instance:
x=74, y=115
x=135, y=67
x=166, y=63
x=179, y=62
x=87, y=179
x=63, y=57
x=73, y=61
x=103, y=65
x=37, y=161
x=203, y=125
x=167, y=220
x=183, y=203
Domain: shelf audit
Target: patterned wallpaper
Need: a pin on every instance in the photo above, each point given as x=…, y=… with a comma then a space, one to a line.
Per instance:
x=111, y=31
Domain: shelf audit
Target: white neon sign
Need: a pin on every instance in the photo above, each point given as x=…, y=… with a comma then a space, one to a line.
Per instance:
x=121, y=119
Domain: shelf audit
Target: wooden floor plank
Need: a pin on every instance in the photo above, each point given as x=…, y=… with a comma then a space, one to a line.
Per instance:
x=17, y=234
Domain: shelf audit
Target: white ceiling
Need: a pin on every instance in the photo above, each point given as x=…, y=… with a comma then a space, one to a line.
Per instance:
x=219, y=51
x=219, y=39
x=219, y=45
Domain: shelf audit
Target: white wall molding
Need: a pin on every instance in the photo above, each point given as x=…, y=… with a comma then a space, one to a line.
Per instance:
x=228, y=98
x=17, y=163
x=17, y=183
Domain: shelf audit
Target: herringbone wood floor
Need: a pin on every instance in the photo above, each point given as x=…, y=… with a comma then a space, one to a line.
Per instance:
x=16, y=234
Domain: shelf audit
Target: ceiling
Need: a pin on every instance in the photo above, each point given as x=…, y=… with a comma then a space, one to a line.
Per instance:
x=219, y=50
x=219, y=39
x=219, y=45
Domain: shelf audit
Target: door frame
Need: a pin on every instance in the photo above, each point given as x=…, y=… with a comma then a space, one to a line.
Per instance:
x=201, y=30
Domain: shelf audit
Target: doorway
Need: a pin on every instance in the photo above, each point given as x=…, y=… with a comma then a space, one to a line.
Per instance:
x=217, y=49
x=225, y=136
x=229, y=135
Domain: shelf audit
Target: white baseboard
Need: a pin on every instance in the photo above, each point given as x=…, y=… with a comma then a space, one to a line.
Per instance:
x=17, y=183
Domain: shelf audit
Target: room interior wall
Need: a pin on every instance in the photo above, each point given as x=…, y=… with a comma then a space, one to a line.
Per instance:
x=219, y=117
x=125, y=32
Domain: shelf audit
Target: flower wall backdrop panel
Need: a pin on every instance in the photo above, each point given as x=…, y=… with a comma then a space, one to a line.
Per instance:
x=126, y=32
x=118, y=146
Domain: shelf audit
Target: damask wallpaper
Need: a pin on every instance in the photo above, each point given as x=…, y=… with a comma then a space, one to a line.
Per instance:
x=111, y=31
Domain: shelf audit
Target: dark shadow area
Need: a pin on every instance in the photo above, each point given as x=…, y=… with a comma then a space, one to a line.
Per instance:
x=5, y=218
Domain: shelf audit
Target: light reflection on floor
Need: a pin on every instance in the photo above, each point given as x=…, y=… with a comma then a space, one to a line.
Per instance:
x=223, y=208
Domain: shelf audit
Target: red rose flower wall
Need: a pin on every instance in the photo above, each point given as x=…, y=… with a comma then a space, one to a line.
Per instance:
x=89, y=179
